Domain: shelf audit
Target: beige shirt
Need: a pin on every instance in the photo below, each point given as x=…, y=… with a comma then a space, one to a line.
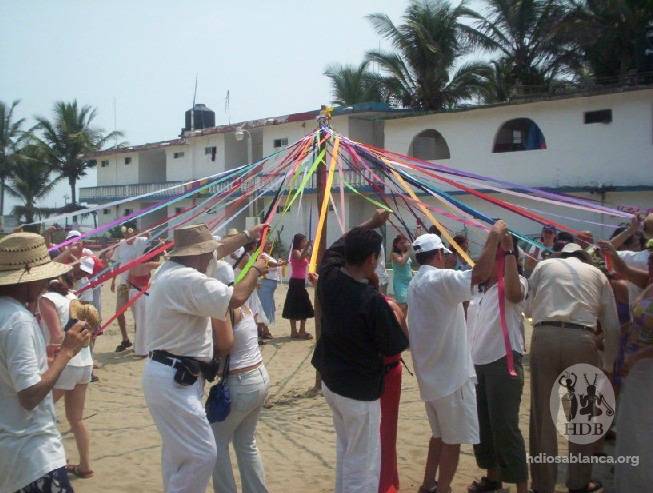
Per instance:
x=569, y=290
x=181, y=303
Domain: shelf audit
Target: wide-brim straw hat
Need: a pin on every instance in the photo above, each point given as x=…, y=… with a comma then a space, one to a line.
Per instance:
x=231, y=232
x=24, y=258
x=195, y=239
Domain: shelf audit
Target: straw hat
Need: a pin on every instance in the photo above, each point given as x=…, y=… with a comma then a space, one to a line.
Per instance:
x=648, y=226
x=195, y=239
x=24, y=258
x=231, y=232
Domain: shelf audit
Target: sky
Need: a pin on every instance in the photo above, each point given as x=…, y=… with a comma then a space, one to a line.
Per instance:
x=144, y=55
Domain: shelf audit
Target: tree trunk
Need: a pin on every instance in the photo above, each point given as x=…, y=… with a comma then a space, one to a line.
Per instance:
x=72, y=181
x=2, y=201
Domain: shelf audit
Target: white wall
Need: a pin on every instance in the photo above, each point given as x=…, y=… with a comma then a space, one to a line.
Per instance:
x=117, y=172
x=619, y=153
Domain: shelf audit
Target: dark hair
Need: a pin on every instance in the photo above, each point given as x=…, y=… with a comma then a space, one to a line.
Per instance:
x=360, y=243
x=634, y=241
x=433, y=229
x=151, y=248
x=395, y=243
x=562, y=238
x=62, y=285
x=251, y=246
x=297, y=241
x=424, y=258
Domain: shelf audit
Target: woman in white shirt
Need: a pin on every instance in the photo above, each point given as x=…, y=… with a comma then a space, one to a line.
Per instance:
x=248, y=383
x=54, y=308
x=501, y=450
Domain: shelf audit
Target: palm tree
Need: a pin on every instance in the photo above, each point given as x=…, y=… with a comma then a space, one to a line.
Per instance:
x=68, y=138
x=31, y=181
x=611, y=34
x=352, y=85
x=10, y=137
x=527, y=35
x=427, y=44
x=496, y=81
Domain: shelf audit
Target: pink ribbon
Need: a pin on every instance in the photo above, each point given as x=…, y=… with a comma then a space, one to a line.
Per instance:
x=501, y=289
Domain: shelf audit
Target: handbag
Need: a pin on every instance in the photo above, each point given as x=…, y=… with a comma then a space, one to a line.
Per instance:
x=218, y=404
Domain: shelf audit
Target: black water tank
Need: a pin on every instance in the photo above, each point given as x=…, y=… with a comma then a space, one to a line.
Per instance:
x=203, y=118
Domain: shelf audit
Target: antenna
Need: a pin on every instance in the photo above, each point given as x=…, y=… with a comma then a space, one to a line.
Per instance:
x=192, y=109
x=115, y=122
x=227, y=110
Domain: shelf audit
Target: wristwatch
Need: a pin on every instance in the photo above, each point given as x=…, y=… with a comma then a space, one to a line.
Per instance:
x=247, y=235
x=509, y=252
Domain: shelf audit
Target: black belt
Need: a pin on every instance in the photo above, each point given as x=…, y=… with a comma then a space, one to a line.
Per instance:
x=209, y=370
x=165, y=358
x=565, y=325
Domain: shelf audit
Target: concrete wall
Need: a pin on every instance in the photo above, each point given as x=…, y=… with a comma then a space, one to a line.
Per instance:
x=618, y=153
x=117, y=172
x=152, y=166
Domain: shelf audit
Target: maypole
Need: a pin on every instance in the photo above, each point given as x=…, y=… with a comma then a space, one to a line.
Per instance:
x=324, y=125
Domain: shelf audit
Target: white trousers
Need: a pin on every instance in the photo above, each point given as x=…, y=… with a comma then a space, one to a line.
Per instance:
x=358, y=442
x=188, y=450
x=138, y=310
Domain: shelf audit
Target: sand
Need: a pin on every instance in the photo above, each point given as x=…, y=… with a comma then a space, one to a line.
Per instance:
x=295, y=434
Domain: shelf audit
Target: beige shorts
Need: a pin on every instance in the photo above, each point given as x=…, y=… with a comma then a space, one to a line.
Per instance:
x=454, y=417
x=71, y=376
x=122, y=296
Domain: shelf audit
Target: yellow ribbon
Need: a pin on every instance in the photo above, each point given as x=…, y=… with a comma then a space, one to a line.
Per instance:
x=430, y=216
x=325, y=205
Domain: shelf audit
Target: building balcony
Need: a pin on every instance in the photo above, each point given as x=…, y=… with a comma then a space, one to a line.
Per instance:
x=159, y=191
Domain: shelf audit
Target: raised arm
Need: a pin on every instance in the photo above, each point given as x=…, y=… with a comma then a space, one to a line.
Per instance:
x=233, y=243
x=636, y=276
x=486, y=262
x=77, y=337
x=246, y=286
x=511, y=274
x=622, y=237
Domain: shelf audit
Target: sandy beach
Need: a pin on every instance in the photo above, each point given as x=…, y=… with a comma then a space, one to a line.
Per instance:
x=295, y=434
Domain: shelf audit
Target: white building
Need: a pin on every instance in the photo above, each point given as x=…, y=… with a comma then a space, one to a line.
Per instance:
x=597, y=146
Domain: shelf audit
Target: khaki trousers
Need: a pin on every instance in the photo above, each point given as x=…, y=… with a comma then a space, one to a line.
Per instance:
x=553, y=349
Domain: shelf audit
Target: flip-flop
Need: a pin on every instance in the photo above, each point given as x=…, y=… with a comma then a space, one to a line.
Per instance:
x=305, y=336
x=76, y=471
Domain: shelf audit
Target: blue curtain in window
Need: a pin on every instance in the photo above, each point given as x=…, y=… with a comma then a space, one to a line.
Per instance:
x=535, y=138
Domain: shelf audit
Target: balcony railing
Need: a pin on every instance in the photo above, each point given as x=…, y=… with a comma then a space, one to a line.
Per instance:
x=108, y=193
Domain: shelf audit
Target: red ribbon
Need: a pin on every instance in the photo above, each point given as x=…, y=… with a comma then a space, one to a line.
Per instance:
x=501, y=289
x=122, y=310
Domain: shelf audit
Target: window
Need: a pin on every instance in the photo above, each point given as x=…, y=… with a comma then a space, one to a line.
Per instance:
x=105, y=211
x=128, y=160
x=128, y=212
x=520, y=134
x=429, y=145
x=600, y=116
x=280, y=142
x=211, y=150
x=104, y=163
x=178, y=210
x=177, y=155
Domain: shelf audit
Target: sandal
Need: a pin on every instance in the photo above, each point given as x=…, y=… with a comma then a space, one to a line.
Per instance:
x=485, y=485
x=123, y=346
x=593, y=486
x=305, y=336
x=76, y=471
x=424, y=489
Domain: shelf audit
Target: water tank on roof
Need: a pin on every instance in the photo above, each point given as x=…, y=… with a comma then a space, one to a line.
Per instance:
x=202, y=117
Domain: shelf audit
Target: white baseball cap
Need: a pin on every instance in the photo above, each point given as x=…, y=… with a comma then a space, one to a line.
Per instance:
x=571, y=248
x=429, y=242
x=73, y=233
x=87, y=264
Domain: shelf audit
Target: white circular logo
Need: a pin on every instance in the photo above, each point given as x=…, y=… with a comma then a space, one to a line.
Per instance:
x=582, y=403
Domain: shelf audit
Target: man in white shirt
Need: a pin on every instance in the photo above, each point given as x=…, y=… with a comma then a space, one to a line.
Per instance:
x=32, y=457
x=129, y=248
x=438, y=343
x=186, y=311
x=568, y=296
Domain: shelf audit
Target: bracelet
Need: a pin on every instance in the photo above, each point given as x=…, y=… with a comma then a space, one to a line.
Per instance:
x=257, y=270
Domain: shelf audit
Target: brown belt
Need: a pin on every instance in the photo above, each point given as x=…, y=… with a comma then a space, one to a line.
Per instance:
x=246, y=369
x=566, y=325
